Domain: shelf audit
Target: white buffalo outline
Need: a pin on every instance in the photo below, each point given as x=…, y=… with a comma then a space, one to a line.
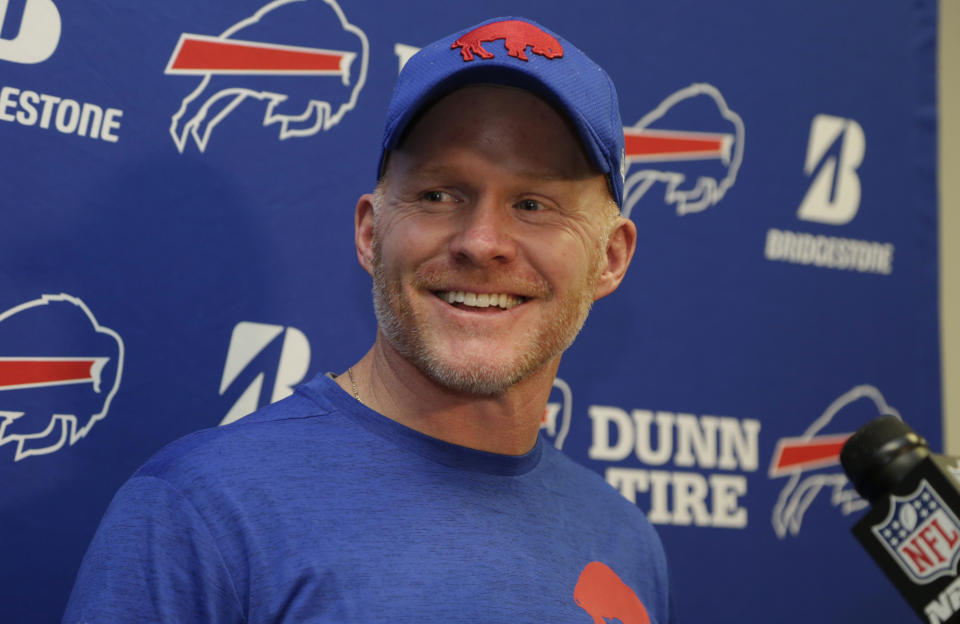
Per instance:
x=67, y=422
x=562, y=413
x=708, y=191
x=325, y=117
x=800, y=491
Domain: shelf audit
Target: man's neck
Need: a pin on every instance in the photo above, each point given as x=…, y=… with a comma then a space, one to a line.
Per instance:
x=507, y=424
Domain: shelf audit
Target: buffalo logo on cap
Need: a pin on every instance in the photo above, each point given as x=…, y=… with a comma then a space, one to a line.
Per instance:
x=517, y=36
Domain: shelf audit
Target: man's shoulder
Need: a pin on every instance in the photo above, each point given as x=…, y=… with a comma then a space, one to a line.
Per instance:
x=622, y=535
x=592, y=490
x=277, y=430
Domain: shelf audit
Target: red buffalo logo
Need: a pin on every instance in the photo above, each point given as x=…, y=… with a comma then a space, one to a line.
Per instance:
x=604, y=596
x=516, y=35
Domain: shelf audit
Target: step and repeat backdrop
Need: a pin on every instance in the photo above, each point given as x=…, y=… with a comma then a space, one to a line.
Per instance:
x=176, y=249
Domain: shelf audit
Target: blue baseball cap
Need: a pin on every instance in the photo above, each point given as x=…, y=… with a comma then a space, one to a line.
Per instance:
x=517, y=52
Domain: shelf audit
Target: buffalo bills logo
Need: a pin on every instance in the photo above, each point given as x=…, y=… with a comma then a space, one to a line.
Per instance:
x=517, y=37
x=811, y=461
x=605, y=597
x=59, y=372
x=555, y=424
x=690, y=147
x=302, y=58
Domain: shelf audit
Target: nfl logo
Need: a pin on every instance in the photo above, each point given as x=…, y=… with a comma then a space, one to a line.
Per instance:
x=922, y=534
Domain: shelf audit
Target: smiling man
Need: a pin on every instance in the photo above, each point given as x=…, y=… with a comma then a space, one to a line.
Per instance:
x=414, y=486
x=488, y=239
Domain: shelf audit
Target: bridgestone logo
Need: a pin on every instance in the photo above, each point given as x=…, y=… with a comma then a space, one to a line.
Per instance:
x=829, y=252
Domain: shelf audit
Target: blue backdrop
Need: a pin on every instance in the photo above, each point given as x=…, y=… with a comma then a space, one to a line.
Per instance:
x=176, y=213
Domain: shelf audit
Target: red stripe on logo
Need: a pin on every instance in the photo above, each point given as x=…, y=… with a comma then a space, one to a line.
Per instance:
x=795, y=455
x=32, y=372
x=661, y=145
x=231, y=56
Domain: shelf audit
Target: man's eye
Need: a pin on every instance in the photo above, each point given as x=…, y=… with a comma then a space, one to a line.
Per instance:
x=437, y=196
x=530, y=205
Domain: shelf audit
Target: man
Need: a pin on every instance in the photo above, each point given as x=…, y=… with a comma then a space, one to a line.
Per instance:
x=414, y=486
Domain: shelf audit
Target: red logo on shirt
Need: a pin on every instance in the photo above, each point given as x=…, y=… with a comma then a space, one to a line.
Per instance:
x=604, y=595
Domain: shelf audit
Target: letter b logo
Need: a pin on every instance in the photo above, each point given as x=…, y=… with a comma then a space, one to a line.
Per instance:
x=38, y=33
x=834, y=193
x=247, y=342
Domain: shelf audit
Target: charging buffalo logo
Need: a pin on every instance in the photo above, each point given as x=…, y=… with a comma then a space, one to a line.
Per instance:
x=812, y=460
x=300, y=57
x=691, y=144
x=605, y=597
x=59, y=372
x=921, y=534
x=517, y=36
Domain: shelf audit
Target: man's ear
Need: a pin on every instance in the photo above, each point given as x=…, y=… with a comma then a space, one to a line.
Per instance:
x=363, y=231
x=619, y=252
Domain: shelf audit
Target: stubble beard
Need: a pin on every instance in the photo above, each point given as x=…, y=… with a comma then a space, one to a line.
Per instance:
x=409, y=336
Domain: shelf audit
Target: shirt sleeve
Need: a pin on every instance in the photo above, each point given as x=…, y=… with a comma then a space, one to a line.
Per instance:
x=153, y=559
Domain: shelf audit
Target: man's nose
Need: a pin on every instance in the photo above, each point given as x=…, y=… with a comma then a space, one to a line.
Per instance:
x=486, y=233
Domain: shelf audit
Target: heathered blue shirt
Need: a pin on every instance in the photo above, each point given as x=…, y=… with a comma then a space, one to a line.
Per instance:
x=318, y=509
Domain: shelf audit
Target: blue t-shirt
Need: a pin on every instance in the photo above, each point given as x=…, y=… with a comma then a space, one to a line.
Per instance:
x=318, y=509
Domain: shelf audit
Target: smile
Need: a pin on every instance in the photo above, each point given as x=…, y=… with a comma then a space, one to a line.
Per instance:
x=480, y=300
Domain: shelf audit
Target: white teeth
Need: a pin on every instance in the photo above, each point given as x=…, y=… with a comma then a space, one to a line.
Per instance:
x=481, y=300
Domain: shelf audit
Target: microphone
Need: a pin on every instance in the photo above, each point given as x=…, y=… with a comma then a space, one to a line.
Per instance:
x=912, y=530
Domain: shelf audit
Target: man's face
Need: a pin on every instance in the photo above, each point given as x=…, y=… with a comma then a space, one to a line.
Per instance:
x=489, y=236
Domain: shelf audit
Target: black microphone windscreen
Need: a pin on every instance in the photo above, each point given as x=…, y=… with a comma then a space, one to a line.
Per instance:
x=880, y=454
